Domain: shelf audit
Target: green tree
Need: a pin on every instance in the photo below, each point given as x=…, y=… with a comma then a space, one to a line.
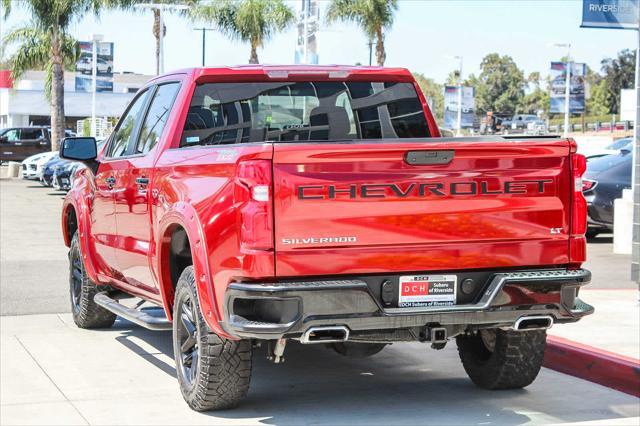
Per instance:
x=433, y=92
x=453, y=76
x=45, y=43
x=500, y=85
x=618, y=74
x=537, y=99
x=374, y=17
x=598, y=101
x=250, y=21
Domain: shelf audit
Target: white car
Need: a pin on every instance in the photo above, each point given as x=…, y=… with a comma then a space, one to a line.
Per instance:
x=32, y=166
x=85, y=66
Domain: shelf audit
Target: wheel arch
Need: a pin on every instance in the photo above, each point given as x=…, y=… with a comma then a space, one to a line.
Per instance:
x=183, y=222
x=74, y=219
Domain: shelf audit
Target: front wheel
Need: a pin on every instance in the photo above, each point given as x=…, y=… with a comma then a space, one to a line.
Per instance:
x=213, y=372
x=497, y=359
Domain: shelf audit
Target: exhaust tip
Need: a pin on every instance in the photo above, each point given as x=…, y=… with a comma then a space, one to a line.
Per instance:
x=329, y=334
x=534, y=322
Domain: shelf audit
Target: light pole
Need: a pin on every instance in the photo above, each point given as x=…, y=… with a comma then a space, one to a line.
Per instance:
x=567, y=87
x=161, y=7
x=204, y=40
x=459, y=119
x=95, y=38
x=459, y=115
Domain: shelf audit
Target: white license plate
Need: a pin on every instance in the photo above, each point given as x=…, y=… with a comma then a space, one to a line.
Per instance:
x=427, y=290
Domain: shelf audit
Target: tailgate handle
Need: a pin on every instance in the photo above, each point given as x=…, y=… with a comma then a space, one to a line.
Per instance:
x=421, y=158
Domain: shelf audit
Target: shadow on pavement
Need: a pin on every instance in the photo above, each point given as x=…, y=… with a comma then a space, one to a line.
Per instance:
x=608, y=239
x=405, y=383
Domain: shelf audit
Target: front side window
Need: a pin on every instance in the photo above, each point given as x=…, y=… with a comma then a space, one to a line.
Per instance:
x=11, y=135
x=228, y=113
x=156, y=117
x=124, y=133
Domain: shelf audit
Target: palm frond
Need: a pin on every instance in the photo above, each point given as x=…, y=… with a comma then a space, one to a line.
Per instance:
x=33, y=51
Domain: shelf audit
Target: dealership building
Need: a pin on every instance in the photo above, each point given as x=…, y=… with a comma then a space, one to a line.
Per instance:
x=23, y=102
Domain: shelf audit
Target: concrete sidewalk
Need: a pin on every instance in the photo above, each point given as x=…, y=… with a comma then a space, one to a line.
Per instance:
x=615, y=325
x=55, y=373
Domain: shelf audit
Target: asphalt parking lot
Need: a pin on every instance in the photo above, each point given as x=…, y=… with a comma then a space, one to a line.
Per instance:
x=53, y=372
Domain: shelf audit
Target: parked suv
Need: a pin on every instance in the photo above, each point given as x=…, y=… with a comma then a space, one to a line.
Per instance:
x=524, y=123
x=258, y=205
x=18, y=143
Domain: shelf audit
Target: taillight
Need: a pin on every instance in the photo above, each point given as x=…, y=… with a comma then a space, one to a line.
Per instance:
x=579, y=204
x=253, y=195
x=588, y=185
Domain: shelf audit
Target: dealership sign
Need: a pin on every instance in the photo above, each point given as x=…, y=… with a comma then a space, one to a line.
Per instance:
x=451, y=107
x=621, y=14
x=104, y=67
x=558, y=78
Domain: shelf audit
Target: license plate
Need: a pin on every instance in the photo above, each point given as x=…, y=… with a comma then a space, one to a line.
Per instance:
x=427, y=290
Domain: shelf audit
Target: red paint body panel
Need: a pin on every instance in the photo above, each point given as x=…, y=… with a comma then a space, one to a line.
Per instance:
x=421, y=233
x=125, y=230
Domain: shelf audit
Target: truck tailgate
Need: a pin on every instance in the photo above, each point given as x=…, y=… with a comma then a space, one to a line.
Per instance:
x=420, y=205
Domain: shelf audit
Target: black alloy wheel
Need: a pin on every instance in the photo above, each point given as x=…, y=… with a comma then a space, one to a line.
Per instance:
x=188, y=336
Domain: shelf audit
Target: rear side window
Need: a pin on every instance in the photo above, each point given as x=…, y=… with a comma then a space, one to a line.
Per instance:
x=156, y=117
x=30, y=134
x=229, y=113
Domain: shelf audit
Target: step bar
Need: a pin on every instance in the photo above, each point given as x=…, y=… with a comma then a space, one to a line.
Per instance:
x=136, y=316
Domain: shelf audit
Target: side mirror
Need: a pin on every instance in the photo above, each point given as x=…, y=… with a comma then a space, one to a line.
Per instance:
x=79, y=149
x=625, y=151
x=4, y=139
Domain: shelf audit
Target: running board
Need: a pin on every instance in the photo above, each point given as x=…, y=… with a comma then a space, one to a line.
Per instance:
x=136, y=316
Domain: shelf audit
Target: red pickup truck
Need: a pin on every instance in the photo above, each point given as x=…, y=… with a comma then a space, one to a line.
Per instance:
x=264, y=204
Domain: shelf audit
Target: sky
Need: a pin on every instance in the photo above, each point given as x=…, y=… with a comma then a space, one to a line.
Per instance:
x=424, y=37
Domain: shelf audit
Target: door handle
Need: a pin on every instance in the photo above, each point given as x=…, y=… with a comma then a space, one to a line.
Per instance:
x=421, y=158
x=142, y=181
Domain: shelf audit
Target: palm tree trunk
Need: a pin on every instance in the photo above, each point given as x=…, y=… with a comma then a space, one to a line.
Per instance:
x=254, y=53
x=156, y=34
x=57, y=93
x=381, y=55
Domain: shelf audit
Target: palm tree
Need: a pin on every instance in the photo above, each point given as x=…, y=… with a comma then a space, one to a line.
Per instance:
x=252, y=21
x=156, y=35
x=46, y=43
x=373, y=16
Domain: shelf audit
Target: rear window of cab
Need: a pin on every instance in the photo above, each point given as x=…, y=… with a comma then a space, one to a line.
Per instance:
x=230, y=113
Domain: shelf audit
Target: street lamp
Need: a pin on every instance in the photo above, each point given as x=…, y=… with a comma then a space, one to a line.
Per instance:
x=567, y=87
x=95, y=39
x=160, y=8
x=459, y=117
x=204, y=40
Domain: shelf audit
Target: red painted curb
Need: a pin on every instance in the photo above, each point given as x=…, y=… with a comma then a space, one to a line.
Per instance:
x=596, y=365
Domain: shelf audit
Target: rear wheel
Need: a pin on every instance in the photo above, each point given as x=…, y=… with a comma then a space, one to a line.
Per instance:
x=497, y=359
x=86, y=313
x=213, y=372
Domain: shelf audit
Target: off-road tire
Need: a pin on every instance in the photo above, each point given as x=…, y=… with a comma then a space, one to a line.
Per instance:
x=357, y=349
x=223, y=368
x=514, y=362
x=86, y=312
